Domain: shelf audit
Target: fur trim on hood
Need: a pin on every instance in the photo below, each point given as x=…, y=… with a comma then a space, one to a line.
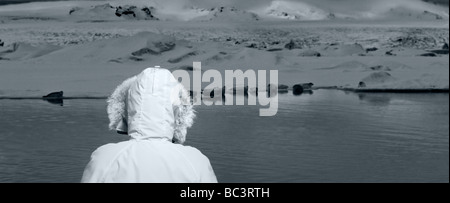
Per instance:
x=117, y=108
x=184, y=118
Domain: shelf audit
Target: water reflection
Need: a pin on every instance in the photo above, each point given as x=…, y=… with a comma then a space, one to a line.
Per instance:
x=375, y=98
x=59, y=102
x=307, y=92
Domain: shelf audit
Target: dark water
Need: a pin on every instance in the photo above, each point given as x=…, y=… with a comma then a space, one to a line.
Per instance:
x=330, y=136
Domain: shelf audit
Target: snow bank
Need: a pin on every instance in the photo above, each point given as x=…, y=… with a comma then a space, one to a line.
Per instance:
x=21, y=51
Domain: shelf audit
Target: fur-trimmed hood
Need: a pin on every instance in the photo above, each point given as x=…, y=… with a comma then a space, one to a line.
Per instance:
x=151, y=105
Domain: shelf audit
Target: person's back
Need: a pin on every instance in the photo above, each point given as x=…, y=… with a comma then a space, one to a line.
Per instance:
x=148, y=109
x=148, y=161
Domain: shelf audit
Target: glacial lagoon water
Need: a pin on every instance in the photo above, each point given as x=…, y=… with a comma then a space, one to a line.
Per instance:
x=327, y=136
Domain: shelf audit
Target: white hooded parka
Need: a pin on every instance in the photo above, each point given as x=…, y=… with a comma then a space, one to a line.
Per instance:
x=154, y=110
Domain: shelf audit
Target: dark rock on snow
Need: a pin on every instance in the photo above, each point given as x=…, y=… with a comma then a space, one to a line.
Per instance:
x=371, y=49
x=390, y=53
x=380, y=68
x=160, y=48
x=144, y=51
x=362, y=85
x=73, y=10
x=311, y=53
x=274, y=49
x=291, y=45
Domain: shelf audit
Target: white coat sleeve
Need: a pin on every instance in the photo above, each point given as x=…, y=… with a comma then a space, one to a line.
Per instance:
x=208, y=175
x=99, y=165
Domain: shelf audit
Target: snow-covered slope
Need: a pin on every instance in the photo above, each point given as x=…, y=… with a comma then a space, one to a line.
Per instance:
x=292, y=11
x=305, y=10
x=226, y=14
x=405, y=13
x=85, y=48
x=308, y=10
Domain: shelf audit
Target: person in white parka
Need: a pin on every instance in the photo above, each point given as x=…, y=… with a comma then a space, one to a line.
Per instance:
x=154, y=109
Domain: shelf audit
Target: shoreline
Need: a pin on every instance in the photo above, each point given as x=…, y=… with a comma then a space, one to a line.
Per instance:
x=373, y=91
x=404, y=91
x=63, y=98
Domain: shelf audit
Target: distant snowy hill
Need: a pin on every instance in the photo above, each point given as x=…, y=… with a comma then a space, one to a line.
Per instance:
x=294, y=11
x=290, y=10
x=225, y=14
x=306, y=10
x=130, y=12
x=403, y=13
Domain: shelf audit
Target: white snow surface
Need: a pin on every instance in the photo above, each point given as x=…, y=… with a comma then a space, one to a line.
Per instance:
x=46, y=49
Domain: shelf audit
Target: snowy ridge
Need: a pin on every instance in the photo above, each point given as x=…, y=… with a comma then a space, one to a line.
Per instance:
x=307, y=11
x=226, y=14
x=293, y=11
x=178, y=10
